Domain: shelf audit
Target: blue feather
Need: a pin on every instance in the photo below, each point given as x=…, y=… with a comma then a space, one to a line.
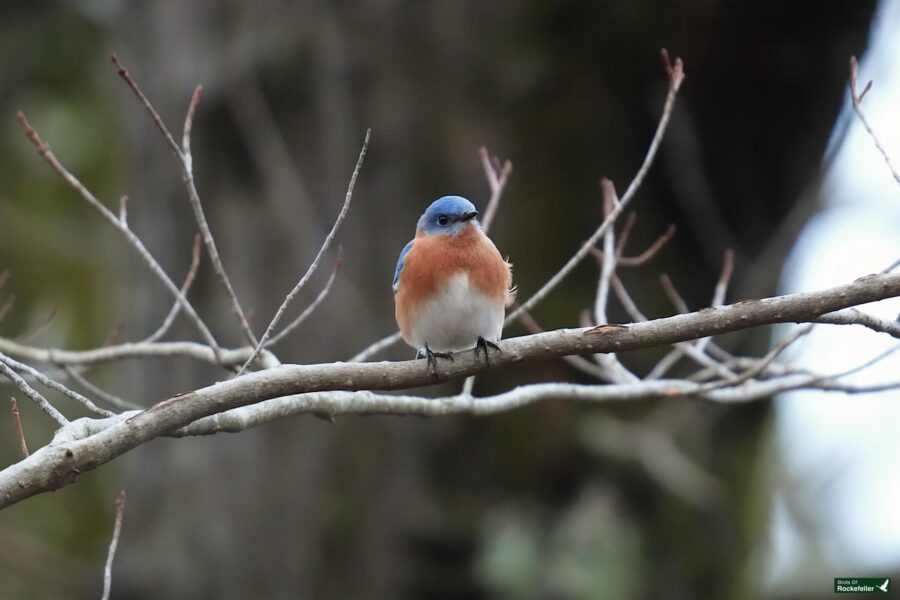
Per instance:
x=400, y=260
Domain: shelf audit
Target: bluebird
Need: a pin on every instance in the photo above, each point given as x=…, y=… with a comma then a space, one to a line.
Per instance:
x=451, y=286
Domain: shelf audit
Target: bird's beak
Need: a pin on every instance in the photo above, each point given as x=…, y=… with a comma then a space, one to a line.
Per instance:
x=468, y=216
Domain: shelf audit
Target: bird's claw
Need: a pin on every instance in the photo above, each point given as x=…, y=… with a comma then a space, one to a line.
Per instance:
x=482, y=345
x=431, y=359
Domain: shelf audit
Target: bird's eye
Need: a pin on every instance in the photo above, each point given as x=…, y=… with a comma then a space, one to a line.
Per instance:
x=442, y=220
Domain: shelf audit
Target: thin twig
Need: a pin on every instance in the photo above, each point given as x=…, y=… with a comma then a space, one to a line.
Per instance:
x=608, y=265
x=497, y=181
x=854, y=316
x=685, y=347
x=315, y=263
x=123, y=210
x=856, y=100
x=151, y=262
x=646, y=255
x=188, y=124
x=630, y=222
x=643, y=257
x=55, y=385
x=763, y=363
x=188, y=281
x=313, y=306
x=100, y=393
x=724, y=279
x=609, y=362
x=129, y=350
x=676, y=76
x=376, y=347
x=113, y=544
x=185, y=162
x=32, y=393
x=674, y=297
x=665, y=364
x=892, y=266
x=720, y=291
x=578, y=362
x=17, y=421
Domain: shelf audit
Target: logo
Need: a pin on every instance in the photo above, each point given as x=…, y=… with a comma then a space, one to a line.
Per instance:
x=862, y=585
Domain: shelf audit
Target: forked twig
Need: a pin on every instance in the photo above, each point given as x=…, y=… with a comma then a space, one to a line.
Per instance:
x=497, y=175
x=55, y=385
x=856, y=101
x=185, y=162
x=73, y=182
x=675, y=73
x=32, y=394
x=315, y=263
x=188, y=281
x=76, y=375
x=313, y=305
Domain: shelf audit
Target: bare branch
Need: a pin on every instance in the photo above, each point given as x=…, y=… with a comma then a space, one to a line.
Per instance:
x=17, y=421
x=724, y=279
x=56, y=464
x=892, y=266
x=102, y=394
x=854, y=316
x=578, y=362
x=676, y=76
x=113, y=544
x=106, y=354
x=185, y=162
x=684, y=348
x=608, y=265
x=315, y=263
x=373, y=349
x=497, y=178
x=188, y=281
x=856, y=100
x=32, y=393
x=123, y=210
x=653, y=250
x=188, y=124
x=54, y=385
x=157, y=270
x=763, y=363
x=672, y=292
x=721, y=289
x=313, y=306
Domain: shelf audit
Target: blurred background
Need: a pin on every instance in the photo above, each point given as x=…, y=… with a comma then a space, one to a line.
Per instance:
x=559, y=500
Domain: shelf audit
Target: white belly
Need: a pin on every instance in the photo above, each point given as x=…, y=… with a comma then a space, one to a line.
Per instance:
x=456, y=317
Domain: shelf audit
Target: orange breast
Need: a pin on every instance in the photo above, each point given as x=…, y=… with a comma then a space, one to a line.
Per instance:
x=434, y=258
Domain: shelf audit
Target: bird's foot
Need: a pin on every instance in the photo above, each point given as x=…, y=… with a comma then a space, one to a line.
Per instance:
x=482, y=345
x=431, y=359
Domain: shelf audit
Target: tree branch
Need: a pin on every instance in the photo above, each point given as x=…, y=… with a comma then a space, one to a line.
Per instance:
x=60, y=462
x=185, y=162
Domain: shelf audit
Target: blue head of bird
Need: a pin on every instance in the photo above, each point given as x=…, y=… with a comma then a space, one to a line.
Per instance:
x=450, y=214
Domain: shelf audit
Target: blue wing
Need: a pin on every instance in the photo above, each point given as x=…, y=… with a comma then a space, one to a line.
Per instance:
x=400, y=261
